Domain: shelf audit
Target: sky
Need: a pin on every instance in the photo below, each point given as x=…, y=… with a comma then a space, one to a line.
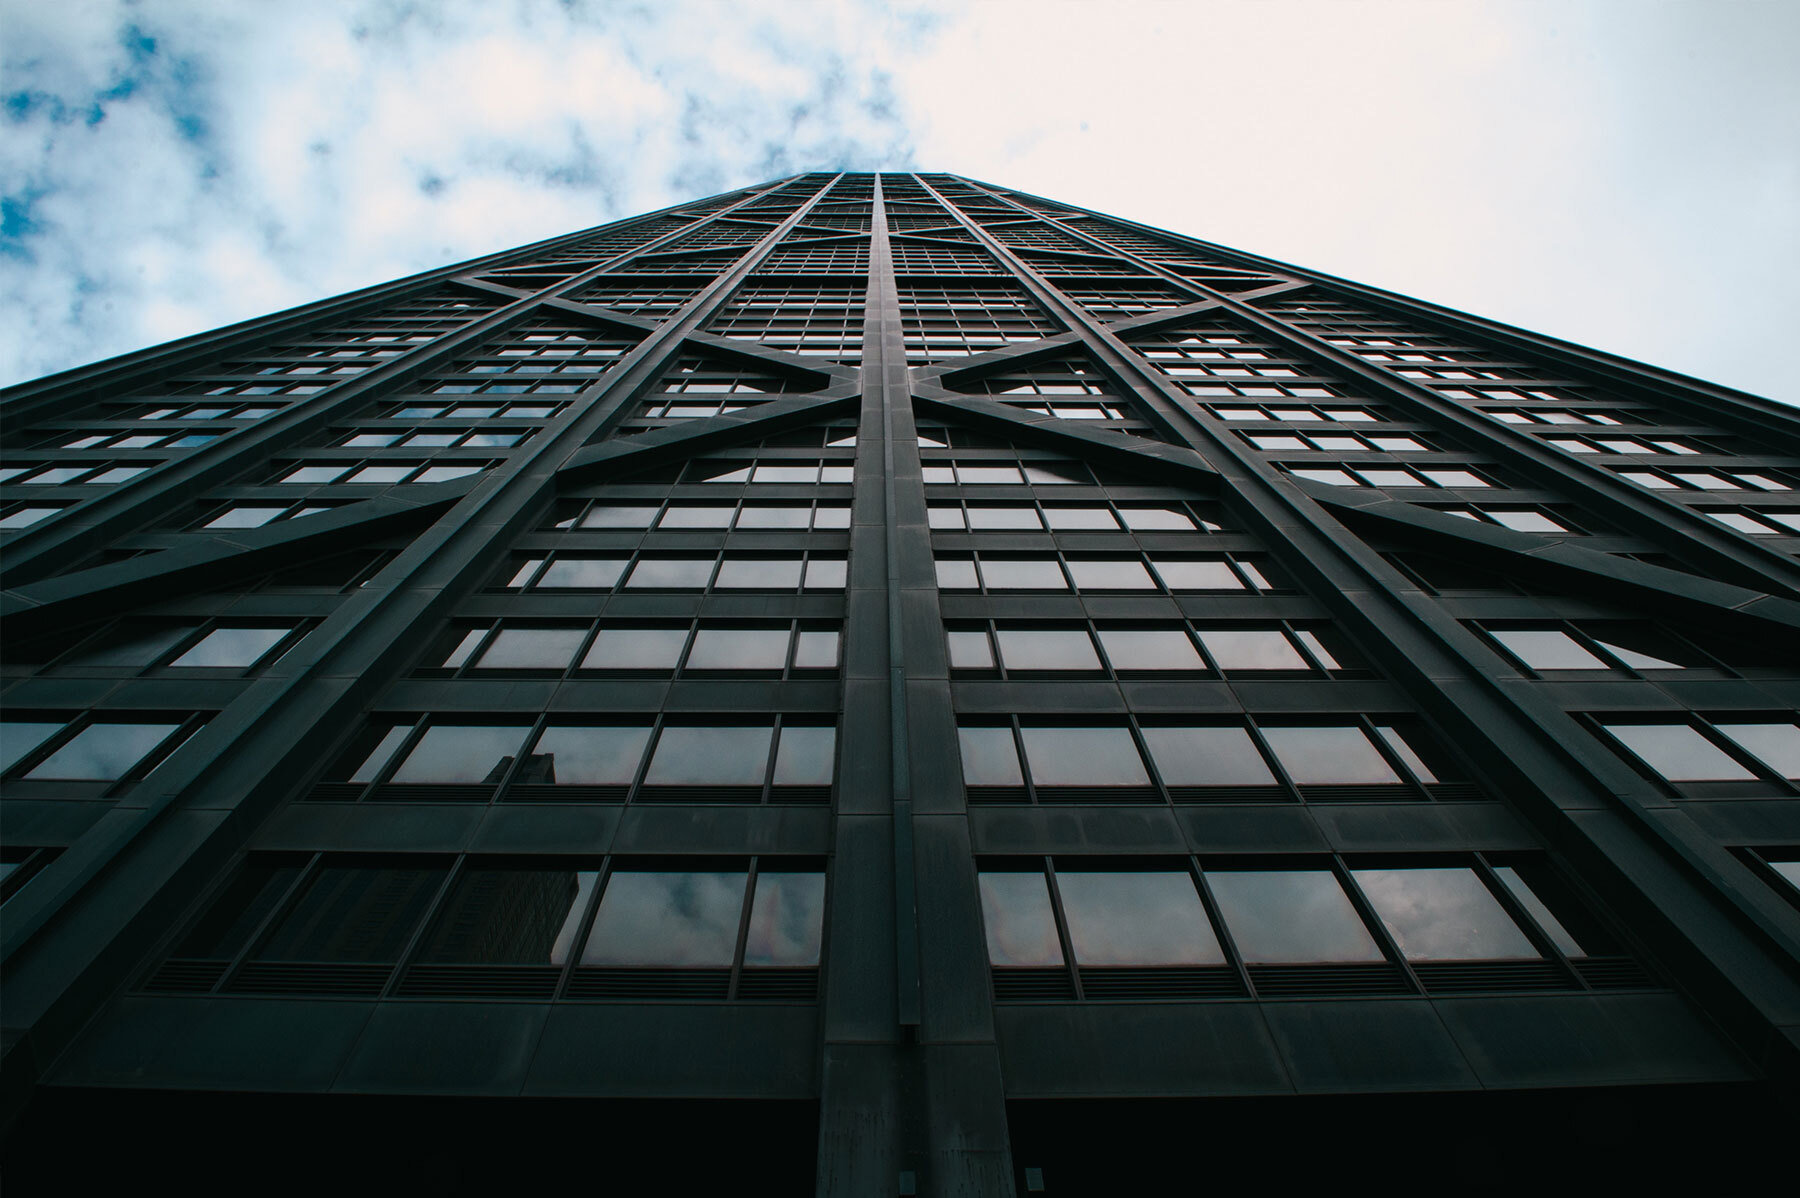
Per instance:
x=1620, y=173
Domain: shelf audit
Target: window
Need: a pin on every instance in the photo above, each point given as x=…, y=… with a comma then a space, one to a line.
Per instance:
x=671, y=572
x=450, y=758
x=103, y=748
x=1727, y=749
x=546, y=928
x=1231, y=927
x=1597, y=647
x=628, y=646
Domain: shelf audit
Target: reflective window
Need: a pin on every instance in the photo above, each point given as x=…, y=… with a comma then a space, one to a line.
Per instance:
x=768, y=574
x=1046, y=649
x=1012, y=574
x=1546, y=650
x=1679, y=753
x=1328, y=756
x=1179, y=575
x=1015, y=911
x=1150, y=649
x=588, y=573
x=604, y=515
x=668, y=919
x=510, y=917
x=238, y=648
x=1126, y=574
x=1083, y=757
x=738, y=649
x=705, y=755
x=20, y=737
x=1291, y=916
x=585, y=755
x=671, y=573
x=1251, y=649
x=1207, y=757
x=461, y=753
x=989, y=757
x=129, y=645
x=531, y=649
x=352, y=915
x=102, y=752
x=1137, y=919
x=787, y=920
x=806, y=755
x=1442, y=915
x=1775, y=745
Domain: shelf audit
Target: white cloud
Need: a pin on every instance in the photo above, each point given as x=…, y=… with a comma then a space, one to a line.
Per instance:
x=1610, y=172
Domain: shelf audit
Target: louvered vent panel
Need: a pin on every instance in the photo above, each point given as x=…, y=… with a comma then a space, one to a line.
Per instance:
x=1098, y=794
x=185, y=977
x=304, y=977
x=1304, y=981
x=1157, y=985
x=336, y=792
x=1470, y=977
x=1357, y=794
x=1033, y=985
x=1230, y=794
x=490, y=981
x=644, y=984
x=1449, y=792
x=779, y=985
x=699, y=794
x=1614, y=973
x=996, y=794
x=566, y=794
x=435, y=794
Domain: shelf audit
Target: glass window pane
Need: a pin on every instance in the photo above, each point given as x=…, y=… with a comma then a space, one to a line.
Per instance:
x=1775, y=745
x=389, y=744
x=826, y=574
x=362, y=915
x=669, y=919
x=605, y=515
x=806, y=755
x=1398, y=744
x=1015, y=911
x=739, y=649
x=571, y=755
x=226, y=927
x=760, y=574
x=941, y=516
x=956, y=575
x=1016, y=575
x=531, y=649
x=1155, y=519
x=1150, y=649
x=983, y=518
x=756, y=515
x=971, y=474
x=1679, y=753
x=1126, y=574
x=970, y=651
x=1046, y=649
x=232, y=647
x=989, y=757
x=787, y=919
x=245, y=517
x=21, y=737
x=1137, y=919
x=671, y=574
x=1526, y=521
x=1180, y=575
x=1443, y=915
x=102, y=752
x=510, y=917
x=594, y=574
x=1546, y=650
x=1329, y=756
x=1251, y=649
x=1207, y=757
x=703, y=755
x=816, y=649
x=1083, y=757
x=697, y=516
x=1064, y=519
x=462, y=753
x=1291, y=916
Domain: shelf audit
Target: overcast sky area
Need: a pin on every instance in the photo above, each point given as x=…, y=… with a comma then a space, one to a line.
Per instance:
x=1620, y=173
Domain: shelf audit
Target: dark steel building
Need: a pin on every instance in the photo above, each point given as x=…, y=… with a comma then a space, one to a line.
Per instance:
x=885, y=684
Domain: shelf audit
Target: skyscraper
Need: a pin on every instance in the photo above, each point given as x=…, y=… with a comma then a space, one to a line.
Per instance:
x=890, y=683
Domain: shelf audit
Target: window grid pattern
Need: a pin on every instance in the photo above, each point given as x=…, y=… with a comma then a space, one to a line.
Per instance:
x=807, y=319
x=944, y=322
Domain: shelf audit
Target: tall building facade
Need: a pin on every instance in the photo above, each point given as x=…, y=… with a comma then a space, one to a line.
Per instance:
x=890, y=684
